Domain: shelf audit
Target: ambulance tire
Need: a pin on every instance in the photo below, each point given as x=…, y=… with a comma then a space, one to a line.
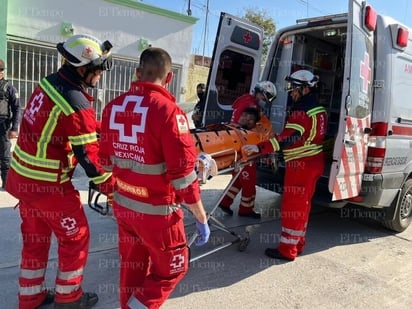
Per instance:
x=403, y=212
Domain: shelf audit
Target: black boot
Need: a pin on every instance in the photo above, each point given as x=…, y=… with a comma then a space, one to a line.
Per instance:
x=48, y=300
x=275, y=254
x=87, y=300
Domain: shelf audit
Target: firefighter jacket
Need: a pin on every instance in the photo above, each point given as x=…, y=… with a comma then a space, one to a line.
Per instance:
x=303, y=133
x=57, y=131
x=146, y=142
x=240, y=104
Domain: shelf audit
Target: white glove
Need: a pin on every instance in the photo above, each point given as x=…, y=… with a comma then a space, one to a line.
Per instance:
x=250, y=149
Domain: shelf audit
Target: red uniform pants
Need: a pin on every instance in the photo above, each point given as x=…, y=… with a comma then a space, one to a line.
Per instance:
x=245, y=182
x=153, y=257
x=299, y=185
x=64, y=216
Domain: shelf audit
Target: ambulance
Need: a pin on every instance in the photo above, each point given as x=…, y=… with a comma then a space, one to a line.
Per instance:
x=364, y=64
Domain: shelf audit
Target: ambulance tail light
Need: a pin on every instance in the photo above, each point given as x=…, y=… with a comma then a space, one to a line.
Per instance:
x=402, y=37
x=370, y=18
x=376, y=148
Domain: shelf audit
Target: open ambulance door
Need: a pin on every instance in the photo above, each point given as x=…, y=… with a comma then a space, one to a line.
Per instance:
x=235, y=66
x=350, y=147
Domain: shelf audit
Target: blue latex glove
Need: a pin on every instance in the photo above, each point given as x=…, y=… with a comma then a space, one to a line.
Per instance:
x=203, y=233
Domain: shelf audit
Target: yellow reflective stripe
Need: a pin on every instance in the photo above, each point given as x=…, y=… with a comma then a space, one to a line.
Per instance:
x=312, y=132
x=56, y=97
x=33, y=174
x=86, y=41
x=47, y=133
x=32, y=160
x=302, y=149
x=102, y=178
x=295, y=126
x=314, y=111
x=83, y=139
x=275, y=144
x=184, y=182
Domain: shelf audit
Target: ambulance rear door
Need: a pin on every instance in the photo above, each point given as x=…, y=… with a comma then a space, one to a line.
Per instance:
x=350, y=147
x=235, y=66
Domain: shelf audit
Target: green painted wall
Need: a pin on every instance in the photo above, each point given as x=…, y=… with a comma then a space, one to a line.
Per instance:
x=3, y=29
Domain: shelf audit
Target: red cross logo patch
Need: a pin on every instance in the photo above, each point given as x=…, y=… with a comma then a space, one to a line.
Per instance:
x=365, y=73
x=129, y=118
x=182, y=125
x=68, y=223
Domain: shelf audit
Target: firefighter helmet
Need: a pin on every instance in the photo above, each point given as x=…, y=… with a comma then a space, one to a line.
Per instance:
x=301, y=78
x=85, y=50
x=267, y=88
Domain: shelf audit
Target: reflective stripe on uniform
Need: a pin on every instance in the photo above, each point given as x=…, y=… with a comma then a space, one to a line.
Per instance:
x=295, y=126
x=67, y=289
x=134, y=303
x=289, y=241
x=33, y=174
x=293, y=232
x=140, y=168
x=33, y=160
x=56, y=97
x=184, y=182
x=31, y=290
x=32, y=273
x=275, y=144
x=148, y=209
x=102, y=178
x=83, y=139
x=68, y=275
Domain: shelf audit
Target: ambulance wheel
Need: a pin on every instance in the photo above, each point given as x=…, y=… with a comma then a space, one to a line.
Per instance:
x=403, y=210
x=243, y=244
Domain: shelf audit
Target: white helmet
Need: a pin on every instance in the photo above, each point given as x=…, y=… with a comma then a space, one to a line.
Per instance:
x=301, y=78
x=85, y=50
x=267, y=88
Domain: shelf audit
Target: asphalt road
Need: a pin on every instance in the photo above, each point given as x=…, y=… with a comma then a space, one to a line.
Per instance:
x=349, y=262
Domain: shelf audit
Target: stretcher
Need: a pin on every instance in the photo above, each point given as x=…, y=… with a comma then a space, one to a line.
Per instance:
x=219, y=152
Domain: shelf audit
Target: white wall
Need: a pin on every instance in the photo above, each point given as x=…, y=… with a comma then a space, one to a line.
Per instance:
x=121, y=25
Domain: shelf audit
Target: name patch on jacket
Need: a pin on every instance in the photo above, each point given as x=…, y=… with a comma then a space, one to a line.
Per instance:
x=182, y=125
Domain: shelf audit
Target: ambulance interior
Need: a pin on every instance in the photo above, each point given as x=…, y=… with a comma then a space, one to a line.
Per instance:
x=321, y=51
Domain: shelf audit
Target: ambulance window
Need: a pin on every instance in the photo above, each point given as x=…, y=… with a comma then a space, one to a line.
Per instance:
x=234, y=76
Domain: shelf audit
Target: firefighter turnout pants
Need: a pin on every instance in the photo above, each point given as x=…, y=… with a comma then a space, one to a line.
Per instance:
x=154, y=256
x=298, y=189
x=64, y=216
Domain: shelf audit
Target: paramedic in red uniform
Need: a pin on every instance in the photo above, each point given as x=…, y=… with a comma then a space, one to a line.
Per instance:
x=58, y=131
x=146, y=142
x=301, y=143
x=263, y=93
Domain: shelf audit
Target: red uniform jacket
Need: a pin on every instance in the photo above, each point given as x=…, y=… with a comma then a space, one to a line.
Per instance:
x=57, y=131
x=304, y=131
x=146, y=142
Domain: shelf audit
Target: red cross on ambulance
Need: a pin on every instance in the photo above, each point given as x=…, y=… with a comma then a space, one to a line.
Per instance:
x=129, y=119
x=247, y=37
x=365, y=73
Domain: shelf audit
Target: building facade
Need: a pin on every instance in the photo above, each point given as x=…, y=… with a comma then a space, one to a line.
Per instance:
x=30, y=30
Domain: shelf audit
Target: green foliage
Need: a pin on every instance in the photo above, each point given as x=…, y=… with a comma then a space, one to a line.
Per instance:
x=261, y=18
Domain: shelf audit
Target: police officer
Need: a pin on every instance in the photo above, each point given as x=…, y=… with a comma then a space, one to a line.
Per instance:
x=9, y=121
